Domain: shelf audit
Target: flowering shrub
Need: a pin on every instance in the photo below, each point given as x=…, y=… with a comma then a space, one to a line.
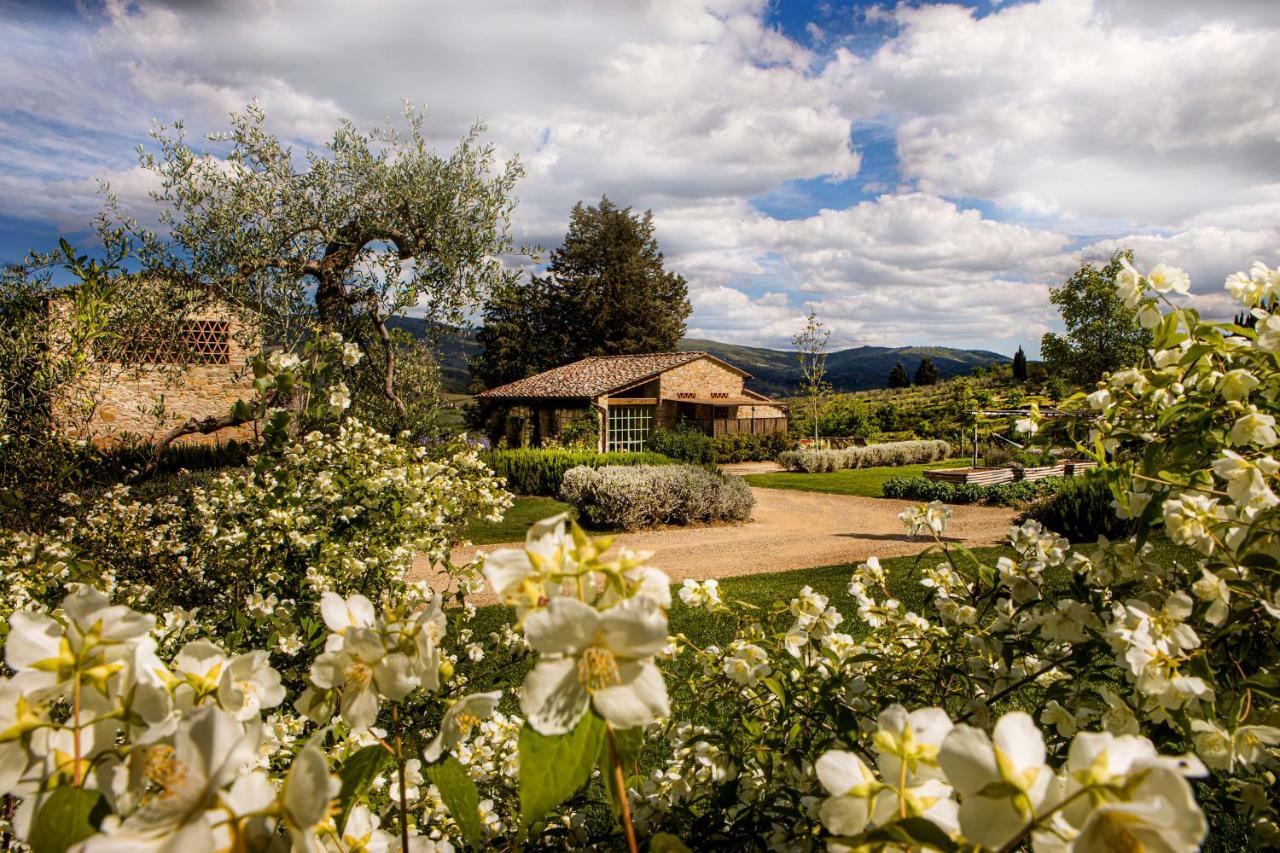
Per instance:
x=648, y=495
x=1093, y=700
x=892, y=453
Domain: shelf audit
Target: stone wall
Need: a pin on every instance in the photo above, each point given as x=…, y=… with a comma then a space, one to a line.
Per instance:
x=701, y=377
x=126, y=397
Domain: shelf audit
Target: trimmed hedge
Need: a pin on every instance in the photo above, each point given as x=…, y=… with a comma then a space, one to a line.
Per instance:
x=685, y=444
x=1015, y=493
x=745, y=447
x=531, y=471
x=872, y=456
x=1082, y=510
x=648, y=495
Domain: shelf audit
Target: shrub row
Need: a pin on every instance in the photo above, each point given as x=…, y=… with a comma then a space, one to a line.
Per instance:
x=531, y=471
x=1007, y=494
x=684, y=444
x=648, y=495
x=752, y=448
x=872, y=456
x=1081, y=510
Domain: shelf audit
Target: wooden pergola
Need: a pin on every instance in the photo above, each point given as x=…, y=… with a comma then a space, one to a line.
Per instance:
x=1048, y=412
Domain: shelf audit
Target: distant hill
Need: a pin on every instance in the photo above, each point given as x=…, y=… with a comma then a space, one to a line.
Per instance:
x=856, y=369
x=454, y=349
x=772, y=371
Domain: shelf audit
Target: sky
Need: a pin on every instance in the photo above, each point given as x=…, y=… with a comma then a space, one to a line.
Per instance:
x=917, y=173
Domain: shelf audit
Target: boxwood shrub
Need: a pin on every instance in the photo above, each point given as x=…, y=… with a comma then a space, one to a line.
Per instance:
x=532, y=471
x=1015, y=493
x=684, y=443
x=648, y=495
x=872, y=456
x=745, y=447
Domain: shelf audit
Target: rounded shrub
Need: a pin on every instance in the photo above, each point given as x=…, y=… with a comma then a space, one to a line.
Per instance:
x=633, y=497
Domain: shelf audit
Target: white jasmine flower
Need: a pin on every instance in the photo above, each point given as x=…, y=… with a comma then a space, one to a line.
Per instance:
x=1168, y=279
x=1003, y=779
x=1254, y=428
x=1137, y=800
x=249, y=685
x=852, y=789
x=592, y=658
x=459, y=720
x=1223, y=750
x=340, y=397
x=351, y=354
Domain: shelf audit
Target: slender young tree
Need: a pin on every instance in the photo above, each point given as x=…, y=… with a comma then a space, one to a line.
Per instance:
x=811, y=349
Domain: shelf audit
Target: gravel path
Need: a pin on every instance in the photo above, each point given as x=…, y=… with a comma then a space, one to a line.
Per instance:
x=794, y=530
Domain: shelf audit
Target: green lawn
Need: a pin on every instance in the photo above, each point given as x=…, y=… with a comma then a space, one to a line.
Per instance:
x=524, y=512
x=860, y=481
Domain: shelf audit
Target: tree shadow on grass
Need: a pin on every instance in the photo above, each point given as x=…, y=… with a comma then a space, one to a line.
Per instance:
x=899, y=537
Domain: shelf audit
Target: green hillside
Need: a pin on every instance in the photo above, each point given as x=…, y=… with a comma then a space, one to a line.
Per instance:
x=856, y=369
x=772, y=371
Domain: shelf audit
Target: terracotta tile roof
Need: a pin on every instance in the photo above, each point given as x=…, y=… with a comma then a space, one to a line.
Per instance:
x=594, y=376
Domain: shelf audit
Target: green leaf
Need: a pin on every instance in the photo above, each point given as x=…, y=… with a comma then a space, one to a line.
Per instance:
x=913, y=831
x=665, y=842
x=553, y=768
x=460, y=796
x=64, y=819
x=357, y=774
x=629, y=743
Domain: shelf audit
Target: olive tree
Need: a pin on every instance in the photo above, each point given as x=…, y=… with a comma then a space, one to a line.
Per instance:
x=344, y=237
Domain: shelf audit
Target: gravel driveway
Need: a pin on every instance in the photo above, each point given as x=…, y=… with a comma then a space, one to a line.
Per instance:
x=796, y=530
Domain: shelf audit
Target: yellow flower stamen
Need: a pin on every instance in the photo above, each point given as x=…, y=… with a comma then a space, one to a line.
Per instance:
x=598, y=669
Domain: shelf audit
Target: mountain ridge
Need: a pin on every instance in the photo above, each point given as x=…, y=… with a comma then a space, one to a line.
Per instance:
x=773, y=371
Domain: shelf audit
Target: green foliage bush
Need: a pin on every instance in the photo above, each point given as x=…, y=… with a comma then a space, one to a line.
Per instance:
x=1081, y=509
x=633, y=497
x=684, y=443
x=871, y=456
x=752, y=448
x=532, y=471
x=1006, y=494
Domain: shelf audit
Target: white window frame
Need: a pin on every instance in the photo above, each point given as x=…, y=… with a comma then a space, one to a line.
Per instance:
x=629, y=427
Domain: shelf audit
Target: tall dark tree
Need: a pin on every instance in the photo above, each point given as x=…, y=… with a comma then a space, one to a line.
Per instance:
x=898, y=377
x=927, y=372
x=1019, y=366
x=1102, y=333
x=605, y=292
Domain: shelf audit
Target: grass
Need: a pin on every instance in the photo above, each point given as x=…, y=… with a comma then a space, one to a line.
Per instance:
x=860, y=481
x=524, y=512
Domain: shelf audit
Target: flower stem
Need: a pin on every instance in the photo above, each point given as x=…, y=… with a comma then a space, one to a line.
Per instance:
x=75, y=732
x=404, y=806
x=620, y=784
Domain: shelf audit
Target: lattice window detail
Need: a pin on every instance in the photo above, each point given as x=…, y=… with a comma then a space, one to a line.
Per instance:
x=197, y=342
x=629, y=427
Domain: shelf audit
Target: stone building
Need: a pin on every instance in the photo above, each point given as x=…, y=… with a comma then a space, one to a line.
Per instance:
x=629, y=395
x=139, y=389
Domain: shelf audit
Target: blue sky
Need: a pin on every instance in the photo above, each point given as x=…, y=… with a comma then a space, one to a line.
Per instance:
x=917, y=172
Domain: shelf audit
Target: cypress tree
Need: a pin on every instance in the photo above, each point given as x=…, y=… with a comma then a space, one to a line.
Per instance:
x=926, y=373
x=898, y=377
x=1019, y=366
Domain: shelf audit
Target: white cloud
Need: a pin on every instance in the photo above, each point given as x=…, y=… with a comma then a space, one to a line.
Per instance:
x=1064, y=109
x=1088, y=124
